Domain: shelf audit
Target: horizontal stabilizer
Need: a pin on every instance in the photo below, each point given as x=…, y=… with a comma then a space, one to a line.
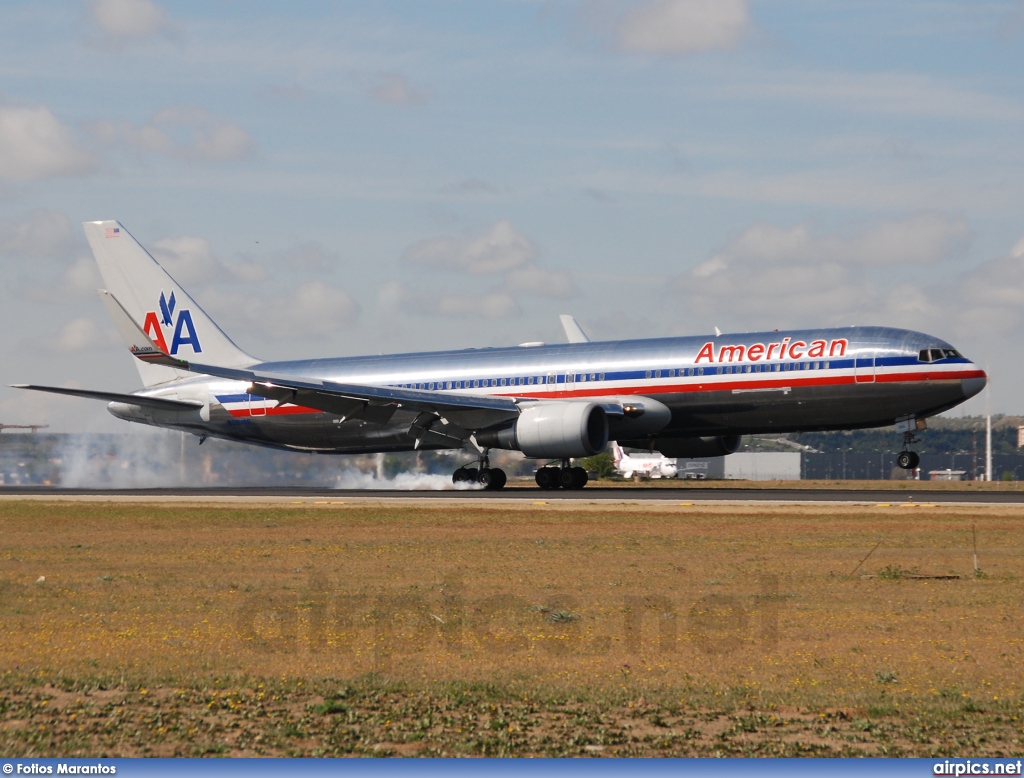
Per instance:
x=117, y=397
x=138, y=342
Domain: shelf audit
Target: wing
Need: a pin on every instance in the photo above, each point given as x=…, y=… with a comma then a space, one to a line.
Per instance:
x=459, y=415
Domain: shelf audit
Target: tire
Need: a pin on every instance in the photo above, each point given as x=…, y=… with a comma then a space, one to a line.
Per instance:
x=579, y=477
x=566, y=478
x=498, y=479
x=907, y=460
x=460, y=476
x=547, y=478
x=485, y=478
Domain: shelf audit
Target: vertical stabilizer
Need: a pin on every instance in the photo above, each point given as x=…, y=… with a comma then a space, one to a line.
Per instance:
x=573, y=331
x=616, y=453
x=155, y=301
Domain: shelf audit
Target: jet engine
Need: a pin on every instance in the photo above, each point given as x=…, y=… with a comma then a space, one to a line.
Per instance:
x=553, y=431
x=689, y=448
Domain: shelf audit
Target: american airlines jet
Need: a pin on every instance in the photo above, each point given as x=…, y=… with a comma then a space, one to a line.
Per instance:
x=642, y=465
x=684, y=397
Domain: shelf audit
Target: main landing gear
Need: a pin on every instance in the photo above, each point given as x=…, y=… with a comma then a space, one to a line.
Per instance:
x=490, y=478
x=564, y=477
x=908, y=460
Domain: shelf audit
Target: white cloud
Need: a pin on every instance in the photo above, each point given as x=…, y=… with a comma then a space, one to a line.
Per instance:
x=501, y=249
x=922, y=239
x=541, y=282
x=677, y=27
x=82, y=276
x=35, y=144
x=77, y=335
x=488, y=305
x=183, y=132
x=887, y=93
x=190, y=260
x=502, y=252
x=471, y=187
x=990, y=299
x=129, y=19
x=314, y=308
x=779, y=277
x=395, y=89
x=309, y=256
x=311, y=310
x=42, y=233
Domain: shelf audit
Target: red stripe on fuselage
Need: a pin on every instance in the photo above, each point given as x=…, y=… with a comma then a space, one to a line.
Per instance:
x=779, y=381
x=280, y=410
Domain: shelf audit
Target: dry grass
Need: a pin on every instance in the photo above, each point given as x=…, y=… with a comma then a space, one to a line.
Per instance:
x=545, y=629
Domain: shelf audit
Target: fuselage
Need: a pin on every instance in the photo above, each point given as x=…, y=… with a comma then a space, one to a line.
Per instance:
x=730, y=384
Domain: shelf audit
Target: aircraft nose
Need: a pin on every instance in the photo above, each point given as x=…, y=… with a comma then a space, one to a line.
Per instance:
x=971, y=386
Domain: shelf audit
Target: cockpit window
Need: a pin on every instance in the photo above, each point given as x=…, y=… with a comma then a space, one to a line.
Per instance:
x=935, y=354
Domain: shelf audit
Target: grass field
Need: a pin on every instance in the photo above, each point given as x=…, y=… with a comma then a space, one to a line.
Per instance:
x=496, y=629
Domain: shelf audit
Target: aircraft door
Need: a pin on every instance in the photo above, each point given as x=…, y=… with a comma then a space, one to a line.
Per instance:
x=864, y=369
x=570, y=381
x=257, y=405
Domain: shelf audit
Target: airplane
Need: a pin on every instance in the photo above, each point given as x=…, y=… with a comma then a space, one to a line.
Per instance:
x=686, y=397
x=653, y=465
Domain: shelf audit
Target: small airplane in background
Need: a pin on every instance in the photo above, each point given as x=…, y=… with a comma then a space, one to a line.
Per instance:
x=651, y=465
x=684, y=397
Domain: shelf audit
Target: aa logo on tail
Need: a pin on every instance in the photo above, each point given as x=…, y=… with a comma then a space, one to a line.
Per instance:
x=184, y=329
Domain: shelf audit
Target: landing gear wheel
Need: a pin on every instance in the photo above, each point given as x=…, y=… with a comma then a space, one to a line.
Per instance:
x=579, y=477
x=465, y=475
x=492, y=478
x=547, y=477
x=908, y=460
x=566, y=478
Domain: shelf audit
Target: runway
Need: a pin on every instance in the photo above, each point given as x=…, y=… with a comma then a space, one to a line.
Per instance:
x=590, y=494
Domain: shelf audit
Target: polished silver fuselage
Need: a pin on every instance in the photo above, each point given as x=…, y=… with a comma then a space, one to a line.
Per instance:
x=716, y=385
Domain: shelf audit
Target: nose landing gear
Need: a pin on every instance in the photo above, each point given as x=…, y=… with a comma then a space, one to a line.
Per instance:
x=564, y=477
x=490, y=478
x=907, y=459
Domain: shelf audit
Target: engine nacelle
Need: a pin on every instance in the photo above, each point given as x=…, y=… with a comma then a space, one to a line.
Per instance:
x=553, y=431
x=689, y=448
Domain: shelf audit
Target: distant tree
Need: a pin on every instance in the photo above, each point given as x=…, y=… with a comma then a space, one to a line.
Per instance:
x=602, y=465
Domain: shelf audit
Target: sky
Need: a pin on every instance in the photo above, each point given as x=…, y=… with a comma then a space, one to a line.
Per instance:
x=331, y=179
